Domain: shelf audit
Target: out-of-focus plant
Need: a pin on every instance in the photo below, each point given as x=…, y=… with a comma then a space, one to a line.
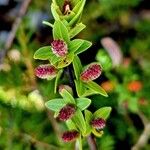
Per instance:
x=129, y=85
x=64, y=64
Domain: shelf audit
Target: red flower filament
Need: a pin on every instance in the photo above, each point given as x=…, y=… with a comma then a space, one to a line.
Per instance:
x=45, y=71
x=59, y=48
x=66, y=112
x=92, y=72
x=69, y=136
x=98, y=123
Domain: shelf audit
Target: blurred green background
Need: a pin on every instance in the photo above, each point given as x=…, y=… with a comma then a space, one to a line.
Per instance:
x=25, y=123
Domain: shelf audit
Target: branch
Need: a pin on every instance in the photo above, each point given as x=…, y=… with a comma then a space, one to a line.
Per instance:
x=71, y=79
x=15, y=26
x=37, y=142
x=91, y=142
x=143, y=118
x=16, y=23
x=54, y=124
x=143, y=139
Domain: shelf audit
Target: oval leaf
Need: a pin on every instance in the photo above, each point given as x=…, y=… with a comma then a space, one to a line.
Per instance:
x=79, y=7
x=43, y=53
x=57, y=80
x=71, y=125
x=66, y=61
x=103, y=112
x=88, y=118
x=76, y=30
x=83, y=103
x=79, y=121
x=79, y=87
x=60, y=31
x=75, y=44
x=77, y=66
x=67, y=97
x=55, y=104
x=83, y=47
x=97, y=88
x=54, y=7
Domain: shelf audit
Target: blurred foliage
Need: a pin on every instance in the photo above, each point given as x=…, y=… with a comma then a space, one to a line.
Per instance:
x=23, y=118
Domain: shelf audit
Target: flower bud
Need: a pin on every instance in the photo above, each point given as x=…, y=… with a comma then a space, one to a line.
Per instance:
x=46, y=71
x=66, y=112
x=98, y=123
x=69, y=136
x=66, y=87
x=92, y=72
x=113, y=50
x=59, y=48
x=67, y=7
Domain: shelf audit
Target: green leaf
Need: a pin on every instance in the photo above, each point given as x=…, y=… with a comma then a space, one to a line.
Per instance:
x=54, y=59
x=60, y=3
x=43, y=53
x=66, y=61
x=94, y=86
x=103, y=112
x=83, y=47
x=67, y=97
x=74, y=2
x=79, y=142
x=83, y=103
x=88, y=118
x=104, y=59
x=77, y=66
x=71, y=125
x=57, y=79
x=55, y=9
x=55, y=104
x=75, y=44
x=97, y=133
x=82, y=90
x=79, y=87
x=48, y=24
x=56, y=114
x=60, y=31
x=69, y=16
x=76, y=30
x=79, y=121
x=78, y=8
x=89, y=92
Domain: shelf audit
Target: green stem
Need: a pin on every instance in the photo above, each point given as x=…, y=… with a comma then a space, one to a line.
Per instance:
x=91, y=142
x=48, y=24
x=71, y=79
x=78, y=144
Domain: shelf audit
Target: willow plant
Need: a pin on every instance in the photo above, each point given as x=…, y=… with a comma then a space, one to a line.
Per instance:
x=64, y=62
